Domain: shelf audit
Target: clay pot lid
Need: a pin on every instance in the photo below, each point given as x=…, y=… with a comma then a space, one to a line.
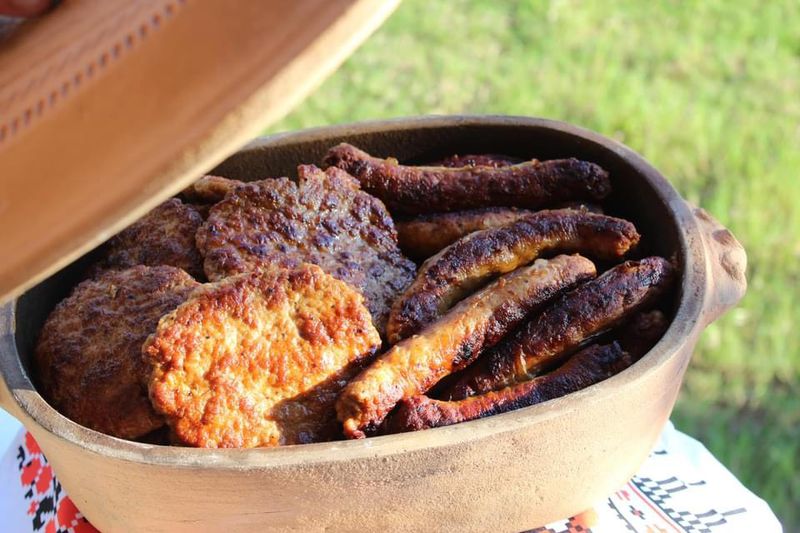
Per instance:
x=108, y=108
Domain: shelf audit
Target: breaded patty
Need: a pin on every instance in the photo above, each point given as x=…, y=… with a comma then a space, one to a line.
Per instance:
x=324, y=219
x=164, y=236
x=258, y=359
x=89, y=351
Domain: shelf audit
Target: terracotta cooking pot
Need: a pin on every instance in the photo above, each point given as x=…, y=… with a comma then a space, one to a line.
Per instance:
x=508, y=472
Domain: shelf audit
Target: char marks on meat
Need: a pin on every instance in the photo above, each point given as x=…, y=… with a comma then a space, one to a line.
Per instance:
x=466, y=264
x=411, y=190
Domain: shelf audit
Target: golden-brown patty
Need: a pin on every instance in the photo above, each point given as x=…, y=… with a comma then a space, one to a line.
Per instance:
x=324, y=219
x=258, y=359
x=89, y=351
x=164, y=236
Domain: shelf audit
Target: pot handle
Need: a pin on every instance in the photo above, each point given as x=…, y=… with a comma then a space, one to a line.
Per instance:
x=726, y=262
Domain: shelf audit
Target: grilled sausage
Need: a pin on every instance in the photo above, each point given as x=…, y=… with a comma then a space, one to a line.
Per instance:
x=457, y=270
x=413, y=190
x=454, y=341
x=577, y=315
x=423, y=236
x=587, y=367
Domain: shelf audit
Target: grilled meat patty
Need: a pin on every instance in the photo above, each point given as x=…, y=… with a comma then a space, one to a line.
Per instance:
x=88, y=354
x=324, y=219
x=257, y=359
x=164, y=236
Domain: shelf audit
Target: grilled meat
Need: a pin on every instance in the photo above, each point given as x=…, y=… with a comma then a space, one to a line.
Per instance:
x=324, y=219
x=454, y=341
x=412, y=190
x=577, y=315
x=88, y=354
x=258, y=359
x=164, y=236
x=469, y=262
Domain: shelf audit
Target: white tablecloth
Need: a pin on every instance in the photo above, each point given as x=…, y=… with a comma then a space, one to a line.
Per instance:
x=680, y=488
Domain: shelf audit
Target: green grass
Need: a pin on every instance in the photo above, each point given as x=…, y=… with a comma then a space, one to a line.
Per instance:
x=709, y=92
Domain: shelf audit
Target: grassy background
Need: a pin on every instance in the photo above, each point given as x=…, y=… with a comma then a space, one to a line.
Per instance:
x=709, y=92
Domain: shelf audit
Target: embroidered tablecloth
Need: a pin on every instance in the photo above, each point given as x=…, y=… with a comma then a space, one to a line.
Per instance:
x=680, y=488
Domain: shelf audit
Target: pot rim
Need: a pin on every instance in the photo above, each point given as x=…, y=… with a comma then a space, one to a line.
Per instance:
x=684, y=328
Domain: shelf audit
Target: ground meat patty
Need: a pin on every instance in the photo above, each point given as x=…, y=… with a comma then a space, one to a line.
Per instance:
x=324, y=219
x=89, y=351
x=258, y=359
x=164, y=236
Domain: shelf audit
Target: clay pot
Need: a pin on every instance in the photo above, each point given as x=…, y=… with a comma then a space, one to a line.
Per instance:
x=508, y=472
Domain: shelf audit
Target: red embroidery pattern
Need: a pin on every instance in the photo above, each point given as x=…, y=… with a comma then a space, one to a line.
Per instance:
x=50, y=508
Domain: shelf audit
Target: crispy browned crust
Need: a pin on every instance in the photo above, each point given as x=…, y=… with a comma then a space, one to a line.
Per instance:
x=416, y=364
x=590, y=309
x=477, y=160
x=423, y=236
x=257, y=359
x=209, y=189
x=414, y=190
x=324, y=219
x=587, y=367
x=164, y=236
x=88, y=355
x=451, y=274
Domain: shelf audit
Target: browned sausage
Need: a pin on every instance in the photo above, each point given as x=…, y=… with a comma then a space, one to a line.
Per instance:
x=454, y=341
x=425, y=235
x=577, y=315
x=587, y=367
x=466, y=264
x=413, y=190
